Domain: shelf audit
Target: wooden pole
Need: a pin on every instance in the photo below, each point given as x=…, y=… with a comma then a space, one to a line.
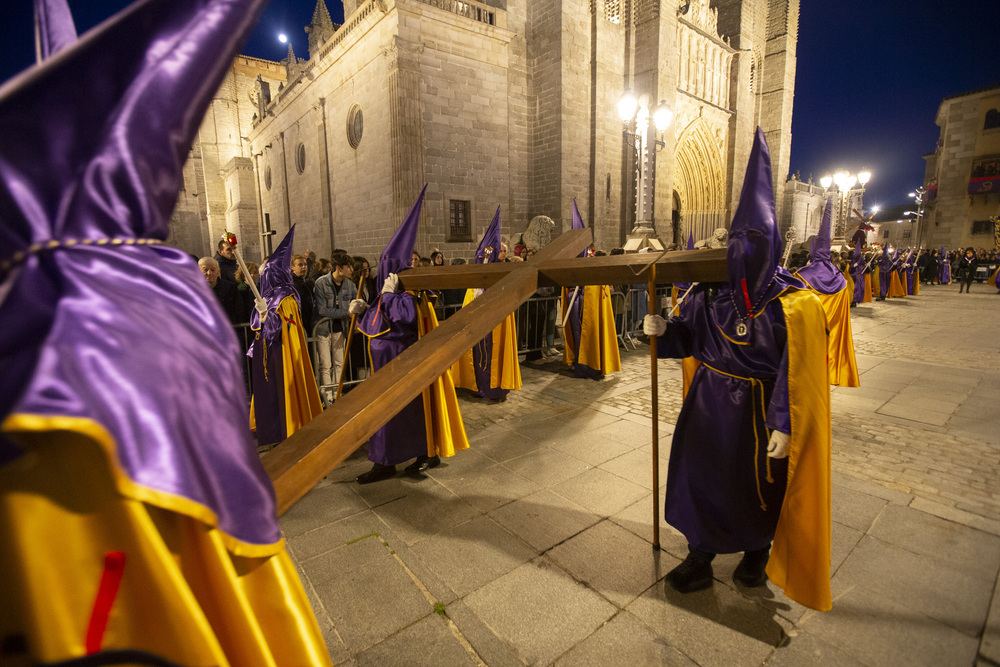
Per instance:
x=656, y=414
x=347, y=357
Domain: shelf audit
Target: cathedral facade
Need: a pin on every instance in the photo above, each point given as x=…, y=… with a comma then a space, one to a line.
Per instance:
x=509, y=103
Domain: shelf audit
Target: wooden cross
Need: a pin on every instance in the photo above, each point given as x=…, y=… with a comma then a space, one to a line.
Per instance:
x=312, y=452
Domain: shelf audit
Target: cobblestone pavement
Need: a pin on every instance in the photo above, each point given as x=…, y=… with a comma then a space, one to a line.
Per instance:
x=533, y=546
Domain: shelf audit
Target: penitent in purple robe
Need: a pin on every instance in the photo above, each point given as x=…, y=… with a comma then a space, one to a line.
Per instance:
x=404, y=436
x=482, y=352
x=858, y=273
x=884, y=274
x=719, y=454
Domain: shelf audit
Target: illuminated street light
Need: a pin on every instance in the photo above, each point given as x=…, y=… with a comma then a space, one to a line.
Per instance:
x=646, y=140
x=845, y=182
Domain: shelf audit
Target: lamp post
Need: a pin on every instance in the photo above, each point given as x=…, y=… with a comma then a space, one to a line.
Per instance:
x=642, y=135
x=918, y=199
x=845, y=182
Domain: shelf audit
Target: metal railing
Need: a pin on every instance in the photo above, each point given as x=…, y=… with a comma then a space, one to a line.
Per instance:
x=538, y=323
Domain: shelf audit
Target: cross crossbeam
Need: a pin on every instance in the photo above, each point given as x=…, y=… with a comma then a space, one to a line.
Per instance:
x=312, y=452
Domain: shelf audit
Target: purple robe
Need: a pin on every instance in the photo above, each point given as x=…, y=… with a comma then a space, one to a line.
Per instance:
x=884, y=275
x=575, y=323
x=944, y=270
x=718, y=458
x=482, y=363
x=390, y=326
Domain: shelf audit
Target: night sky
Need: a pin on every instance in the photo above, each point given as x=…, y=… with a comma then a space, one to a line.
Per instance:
x=869, y=80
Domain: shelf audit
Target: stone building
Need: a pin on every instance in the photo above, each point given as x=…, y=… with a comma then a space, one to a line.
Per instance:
x=508, y=103
x=802, y=209
x=962, y=176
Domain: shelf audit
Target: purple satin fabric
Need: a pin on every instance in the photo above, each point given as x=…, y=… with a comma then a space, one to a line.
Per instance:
x=859, y=284
x=268, y=387
x=482, y=362
x=128, y=336
x=54, y=28
x=713, y=475
x=823, y=277
x=575, y=323
x=390, y=324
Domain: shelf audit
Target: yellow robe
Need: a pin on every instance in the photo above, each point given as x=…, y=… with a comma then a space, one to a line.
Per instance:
x=505, y=371
x=598, y=339
x=896, y=288
x=77, y=531
x=442, y=416
x=840, y=340
x=868, y=287
x=800, y=552
x=301, y=392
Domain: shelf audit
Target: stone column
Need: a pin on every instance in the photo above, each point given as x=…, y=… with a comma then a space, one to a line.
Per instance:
x=406, y=125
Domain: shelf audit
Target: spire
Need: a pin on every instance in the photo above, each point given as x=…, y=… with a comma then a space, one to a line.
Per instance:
x=320, y=30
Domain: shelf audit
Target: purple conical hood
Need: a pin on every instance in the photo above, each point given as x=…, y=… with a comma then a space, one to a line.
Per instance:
x=399, y=250
x=690, y=245
x=821, y=274
x=54, y=28
x=819, y=251
x=578, y=224
x=489, y=247
x=754, y=242
x=276, y=276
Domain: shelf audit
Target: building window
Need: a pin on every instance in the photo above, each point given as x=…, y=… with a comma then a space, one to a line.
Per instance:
x=267, y=177
x=992, y=120
x=355, y=126
x=982, y=227
x=907, y=233
x=300, y=158
x=885, y=234
x=613, y=11
x=459, y=220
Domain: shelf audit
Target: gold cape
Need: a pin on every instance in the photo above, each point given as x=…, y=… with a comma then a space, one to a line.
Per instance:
x=442, y=417
x=92, y=561
x=896, y=288
x=916, y=282
x=842, y=362
x=505, y=371
x=800, y=552
x=598, y=339
x=871, y=285
x=688, y=364
x=301, y=392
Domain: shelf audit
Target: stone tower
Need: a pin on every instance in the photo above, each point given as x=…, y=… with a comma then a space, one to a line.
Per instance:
x=320, y=29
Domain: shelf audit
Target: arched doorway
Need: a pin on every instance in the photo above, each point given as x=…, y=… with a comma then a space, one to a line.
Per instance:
x=700, y=181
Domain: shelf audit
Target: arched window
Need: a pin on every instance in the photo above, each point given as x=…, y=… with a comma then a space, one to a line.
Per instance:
x=992, y=120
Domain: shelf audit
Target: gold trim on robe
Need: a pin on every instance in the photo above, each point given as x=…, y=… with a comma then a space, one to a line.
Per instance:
x=800, y=552
x=66, y=506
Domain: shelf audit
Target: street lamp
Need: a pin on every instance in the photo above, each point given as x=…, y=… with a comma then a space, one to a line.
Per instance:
x=918, y=199
x=845, y=182
x=645, y=138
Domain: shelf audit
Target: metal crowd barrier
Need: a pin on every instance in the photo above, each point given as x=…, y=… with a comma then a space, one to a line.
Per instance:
x=538, y=323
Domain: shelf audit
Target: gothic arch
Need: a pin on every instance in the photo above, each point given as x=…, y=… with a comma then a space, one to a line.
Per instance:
x=699, y=179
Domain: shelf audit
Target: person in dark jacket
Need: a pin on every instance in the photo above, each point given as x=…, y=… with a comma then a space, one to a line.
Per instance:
x=967, y=270
x=225, y=257
x=224, y=291
x=304, y=288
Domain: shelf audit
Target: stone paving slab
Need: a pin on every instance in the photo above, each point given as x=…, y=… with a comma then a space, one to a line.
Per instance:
x=534, y=546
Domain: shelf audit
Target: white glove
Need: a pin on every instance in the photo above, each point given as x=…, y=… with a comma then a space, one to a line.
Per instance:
x=476, y=293
x=357, y=307
x=777, y=446
x=653, y=325
x=391, y=285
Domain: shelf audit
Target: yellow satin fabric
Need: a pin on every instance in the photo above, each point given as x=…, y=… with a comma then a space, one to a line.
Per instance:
x=442, y=416
x=896, y=288
x=840, y=340
x=184, y=596
x=688, y=364
x=505, y=371
x=916, y=282
x=800, y=553
x=598, y=340
x=849, y=279
x=993, y=278
x=301, y=392
x=869, y=286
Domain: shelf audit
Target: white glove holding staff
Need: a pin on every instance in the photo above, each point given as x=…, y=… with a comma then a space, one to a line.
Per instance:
x=391, y=285
x=653, y=325
x=777, y=446
x=357, y=307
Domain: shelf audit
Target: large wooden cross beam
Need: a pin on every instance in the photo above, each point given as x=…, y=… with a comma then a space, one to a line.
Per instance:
x=312, y=452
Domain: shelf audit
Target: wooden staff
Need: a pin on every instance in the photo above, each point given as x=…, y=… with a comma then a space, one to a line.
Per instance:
x=656, y=414
x=347, y=358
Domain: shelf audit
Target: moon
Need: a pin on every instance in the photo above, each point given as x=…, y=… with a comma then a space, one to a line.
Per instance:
x=282, y=38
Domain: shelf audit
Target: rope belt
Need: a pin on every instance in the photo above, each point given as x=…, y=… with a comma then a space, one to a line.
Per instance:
x=755, y=384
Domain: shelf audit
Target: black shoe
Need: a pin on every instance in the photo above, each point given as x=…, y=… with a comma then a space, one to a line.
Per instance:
x=422, y=464
x=376, y=474
x=750, y=572
x=694, y=574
